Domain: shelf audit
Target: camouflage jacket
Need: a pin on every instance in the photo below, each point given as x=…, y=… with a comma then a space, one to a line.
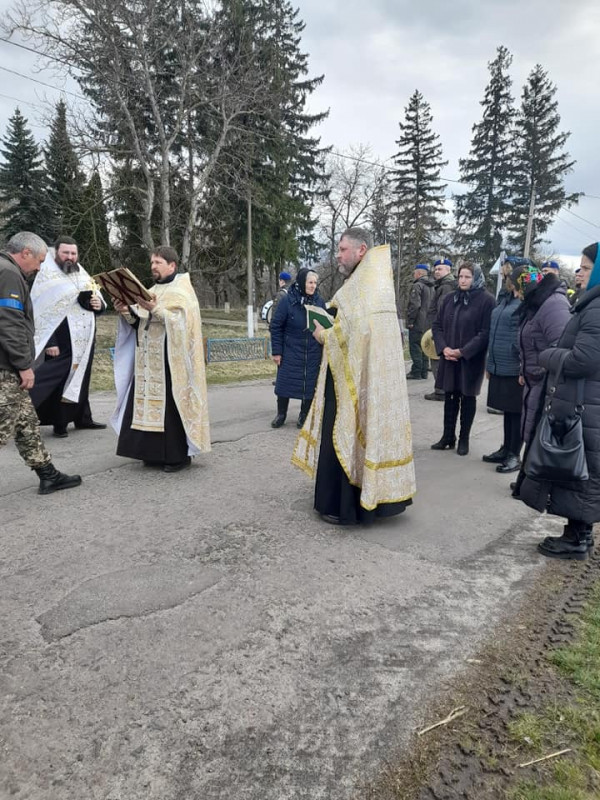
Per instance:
x=16, y=318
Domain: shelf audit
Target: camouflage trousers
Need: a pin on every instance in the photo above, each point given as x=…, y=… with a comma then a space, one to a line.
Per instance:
x=19, y=421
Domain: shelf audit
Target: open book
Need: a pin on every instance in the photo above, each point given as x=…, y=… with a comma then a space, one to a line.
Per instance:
x=121, y=284
x=318, y=314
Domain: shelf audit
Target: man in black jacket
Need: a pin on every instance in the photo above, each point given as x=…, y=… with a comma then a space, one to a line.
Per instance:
x=417, y=311
x=445, y=282
x=22, y=257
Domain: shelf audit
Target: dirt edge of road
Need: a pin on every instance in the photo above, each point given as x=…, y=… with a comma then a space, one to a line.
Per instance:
x=476, y=756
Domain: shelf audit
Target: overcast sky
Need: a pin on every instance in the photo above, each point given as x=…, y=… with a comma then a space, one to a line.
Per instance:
x=374, y=55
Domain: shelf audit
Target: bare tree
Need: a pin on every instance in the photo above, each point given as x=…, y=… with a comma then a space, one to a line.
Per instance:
x=354, y=181
x=167, y=81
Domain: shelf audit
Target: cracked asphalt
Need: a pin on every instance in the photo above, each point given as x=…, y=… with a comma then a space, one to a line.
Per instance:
x=204, y=635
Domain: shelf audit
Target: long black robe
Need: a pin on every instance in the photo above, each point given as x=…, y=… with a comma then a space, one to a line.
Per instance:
x=334, y=494
x=50, y=379
x=168, y=447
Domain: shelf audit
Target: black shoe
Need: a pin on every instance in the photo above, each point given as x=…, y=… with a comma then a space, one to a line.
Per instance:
x=278, y=421
x=435, y=396
x=444, y=444
x=497, y=457
x=60, y=433
x=565, y=548
x=178, y=466
x=51, y=480
x=424, y=377
x=301, y=420
x=331, y=519
x=91, y=426
x=511, y=464
x=463, y=447
x=411, y=377
x=494, y=411
x=512, y=486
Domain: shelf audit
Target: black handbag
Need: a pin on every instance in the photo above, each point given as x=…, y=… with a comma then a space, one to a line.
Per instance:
x=557, y=451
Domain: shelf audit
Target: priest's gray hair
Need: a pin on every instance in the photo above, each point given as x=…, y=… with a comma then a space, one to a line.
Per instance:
x=359, y=235
x=26, y=240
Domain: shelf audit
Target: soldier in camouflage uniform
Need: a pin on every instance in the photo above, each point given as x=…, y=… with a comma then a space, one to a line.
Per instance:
x=18, y=420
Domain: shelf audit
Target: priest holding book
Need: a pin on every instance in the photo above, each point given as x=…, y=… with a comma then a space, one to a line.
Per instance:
x=162, y=410
x=357, y=437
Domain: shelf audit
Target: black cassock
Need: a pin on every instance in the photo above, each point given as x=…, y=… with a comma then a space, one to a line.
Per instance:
x=50, y=379
x=168, y=447
x=334, y=494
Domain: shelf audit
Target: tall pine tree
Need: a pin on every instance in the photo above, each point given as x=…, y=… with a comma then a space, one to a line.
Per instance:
x=482, y=213
x=539, y=159
x=22, y=187
x=64, y=177
x=91, y=231
x=418, y=193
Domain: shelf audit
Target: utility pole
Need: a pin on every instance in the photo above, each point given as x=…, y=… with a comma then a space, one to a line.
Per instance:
x=400, y=258
x=529, y=223
x=250, y=273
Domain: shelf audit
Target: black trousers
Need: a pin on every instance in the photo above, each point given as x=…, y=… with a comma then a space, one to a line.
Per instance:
x=420, y=362
x=512, y=433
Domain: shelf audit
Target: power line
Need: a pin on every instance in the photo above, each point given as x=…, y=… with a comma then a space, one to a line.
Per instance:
x=42, y=83
x=16, y=99
x=32, y=50
x=583, y=219
x=575, y=228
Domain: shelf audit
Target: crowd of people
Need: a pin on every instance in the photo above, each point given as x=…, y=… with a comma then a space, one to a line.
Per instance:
x=355, y=435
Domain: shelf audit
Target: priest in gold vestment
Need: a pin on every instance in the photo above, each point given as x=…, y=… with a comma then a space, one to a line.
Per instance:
x=357, y=437
x=162, y=411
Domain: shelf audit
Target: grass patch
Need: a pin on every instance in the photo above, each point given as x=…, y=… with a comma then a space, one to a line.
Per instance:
x=217, y=373
x=574, y=723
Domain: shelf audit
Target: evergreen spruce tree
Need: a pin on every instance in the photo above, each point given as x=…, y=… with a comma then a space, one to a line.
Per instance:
x=539, y=158
x=273, y=158
x=64, y=177
x=418, y=193
x=91, y=232
x=482, y=213
x=22, y=182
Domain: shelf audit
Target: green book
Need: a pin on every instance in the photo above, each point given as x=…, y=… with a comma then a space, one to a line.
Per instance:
x=317, y=314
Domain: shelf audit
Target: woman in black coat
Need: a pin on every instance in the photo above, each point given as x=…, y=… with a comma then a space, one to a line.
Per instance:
x=294, y=349
x=578, y=501
x=504, y=388
x=461, y=333
x=543, y=314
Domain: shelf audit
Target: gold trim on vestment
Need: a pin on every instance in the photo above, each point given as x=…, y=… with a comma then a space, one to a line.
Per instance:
x=372, y=433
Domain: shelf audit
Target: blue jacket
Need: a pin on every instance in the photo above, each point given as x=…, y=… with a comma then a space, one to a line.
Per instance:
x=300, y=352
x=503, y=351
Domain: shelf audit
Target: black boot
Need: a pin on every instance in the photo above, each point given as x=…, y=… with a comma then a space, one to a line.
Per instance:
x=497, y=457
x=282, y=407
x=451, y=406
x=304, y=409
x=573, y=544
x=467, y=415
x=51, y=480
x=511, y=463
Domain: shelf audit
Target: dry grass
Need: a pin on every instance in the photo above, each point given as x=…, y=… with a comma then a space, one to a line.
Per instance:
x=227, y=372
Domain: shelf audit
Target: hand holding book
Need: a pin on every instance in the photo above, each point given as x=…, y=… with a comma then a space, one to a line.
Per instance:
x=317, y=314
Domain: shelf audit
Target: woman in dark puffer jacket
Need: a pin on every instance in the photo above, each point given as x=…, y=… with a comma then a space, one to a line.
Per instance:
x=295, y=350
x=543, y=314
x=578, y=501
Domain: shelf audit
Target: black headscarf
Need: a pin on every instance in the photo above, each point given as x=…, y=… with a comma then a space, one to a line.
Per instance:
x=464, y=295
x=300, y=285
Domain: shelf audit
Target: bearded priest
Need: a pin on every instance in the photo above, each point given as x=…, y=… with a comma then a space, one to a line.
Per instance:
x=66, y=302
x=162, y=410
x=357, y=437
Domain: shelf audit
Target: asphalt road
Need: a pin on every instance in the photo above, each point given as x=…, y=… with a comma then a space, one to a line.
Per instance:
x=204, y=635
